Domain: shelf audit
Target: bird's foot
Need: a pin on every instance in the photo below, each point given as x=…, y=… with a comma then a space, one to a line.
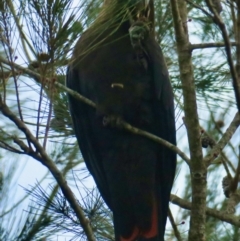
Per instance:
x=138, y=32
x=112, y=121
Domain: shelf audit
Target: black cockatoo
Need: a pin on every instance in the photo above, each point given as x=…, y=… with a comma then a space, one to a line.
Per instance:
x=118, y=64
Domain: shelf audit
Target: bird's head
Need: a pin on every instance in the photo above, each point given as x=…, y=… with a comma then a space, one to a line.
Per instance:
x=137, y=8
x=142, y=11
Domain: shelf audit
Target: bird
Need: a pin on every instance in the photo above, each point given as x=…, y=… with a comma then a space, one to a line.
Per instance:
x=118, y=64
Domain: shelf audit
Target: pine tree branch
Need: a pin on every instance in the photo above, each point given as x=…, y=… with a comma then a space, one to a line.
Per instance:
x=198, y=167
x=42, y=157
x=209, y=140
x=235, y=78
x=44, y=212
x=23, y=37
x=210, y=45
x=235, y=180
x=215, y=16
x=7, y=147
x=223, y=216
x=232, y=202
x=134, y=130
x=174, y=226
x=21, y=200
x=216, y=150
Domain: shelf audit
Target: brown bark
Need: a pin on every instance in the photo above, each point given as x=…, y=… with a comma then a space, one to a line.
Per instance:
x=198, y=167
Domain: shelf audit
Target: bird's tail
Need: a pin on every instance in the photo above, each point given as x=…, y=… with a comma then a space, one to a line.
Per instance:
x=150, y=234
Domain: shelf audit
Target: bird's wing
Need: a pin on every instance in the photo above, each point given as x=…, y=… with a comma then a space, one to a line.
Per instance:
x=165, y=128
x=81, y=116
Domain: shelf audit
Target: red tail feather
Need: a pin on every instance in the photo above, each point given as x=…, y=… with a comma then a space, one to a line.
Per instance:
x=153, y=231
x=150, y=233
x=133, y=236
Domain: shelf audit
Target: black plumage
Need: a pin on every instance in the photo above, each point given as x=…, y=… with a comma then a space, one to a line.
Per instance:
x=127, y=78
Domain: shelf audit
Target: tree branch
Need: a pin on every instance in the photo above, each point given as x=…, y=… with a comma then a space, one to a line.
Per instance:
x=235, y=180
x=198, y=167
x=232, y=202
x=23, y=37
x=231, y=219
x=236, y=80
x=134, y=130
x=210, y=45
x=42, y=157
x=174, y=226
x=216, y=150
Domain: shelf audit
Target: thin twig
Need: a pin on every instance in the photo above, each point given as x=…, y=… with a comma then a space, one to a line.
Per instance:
x=39, y=110
x=7, y=147
x=223, y=155
x=49, y=117
x=174, y=226
x=236, y=83
x=23, y=37
x=224, y=162
x=14, y=75
x=200, y=8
